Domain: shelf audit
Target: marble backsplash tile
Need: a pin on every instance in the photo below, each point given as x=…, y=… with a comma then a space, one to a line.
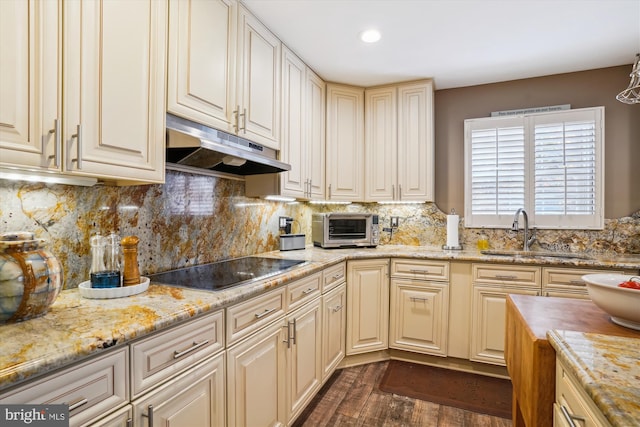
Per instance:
x=195, y=219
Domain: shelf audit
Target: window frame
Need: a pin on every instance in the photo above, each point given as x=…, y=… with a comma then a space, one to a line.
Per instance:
x=594, y=221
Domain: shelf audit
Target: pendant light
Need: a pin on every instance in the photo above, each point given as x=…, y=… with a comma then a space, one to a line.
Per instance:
x=631, y=95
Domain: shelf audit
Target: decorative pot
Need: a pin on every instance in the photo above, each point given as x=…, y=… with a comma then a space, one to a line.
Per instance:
x=30, y=277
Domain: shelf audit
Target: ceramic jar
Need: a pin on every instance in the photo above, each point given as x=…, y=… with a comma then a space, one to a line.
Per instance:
x=30, y=277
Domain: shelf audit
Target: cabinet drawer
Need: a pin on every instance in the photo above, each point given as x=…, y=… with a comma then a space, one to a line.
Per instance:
x=515, y=275
x=91, y=389
x=161, y=356
x=417, y=269
x=333, y=276
x=303, y=290
x=569, y=279
x=249, y=316
x=575, y=401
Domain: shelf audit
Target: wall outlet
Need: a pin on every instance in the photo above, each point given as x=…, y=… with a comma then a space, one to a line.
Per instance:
x=282, y=221
x=395, y=221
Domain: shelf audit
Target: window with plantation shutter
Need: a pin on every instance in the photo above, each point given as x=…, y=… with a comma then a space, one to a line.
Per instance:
x=549, y=163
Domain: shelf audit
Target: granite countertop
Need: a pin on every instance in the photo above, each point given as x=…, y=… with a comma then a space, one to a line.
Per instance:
x=76, y=328
x=607, y=368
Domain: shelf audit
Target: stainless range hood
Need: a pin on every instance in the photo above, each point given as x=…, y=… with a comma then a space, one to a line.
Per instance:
x=197, y=148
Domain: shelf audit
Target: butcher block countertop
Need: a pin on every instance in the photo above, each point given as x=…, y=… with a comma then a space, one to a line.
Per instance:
x=531, y=357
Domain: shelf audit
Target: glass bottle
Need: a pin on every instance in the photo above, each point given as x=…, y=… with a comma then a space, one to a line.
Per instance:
x=106, y=261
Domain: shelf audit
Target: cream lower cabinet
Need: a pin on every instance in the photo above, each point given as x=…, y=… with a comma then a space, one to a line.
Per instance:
x=334, y=328
x=195, y=398
x=491, y=285
x=120, y=418
x=274, y=371
x=367, y=305
x=573, y=406
x=419, y=308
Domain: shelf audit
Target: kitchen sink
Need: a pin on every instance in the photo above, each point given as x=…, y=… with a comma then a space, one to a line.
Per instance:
x=534, y=254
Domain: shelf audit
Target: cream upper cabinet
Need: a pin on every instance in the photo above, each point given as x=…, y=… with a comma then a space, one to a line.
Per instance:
x=30, y=84
x=202, y=61
x=258, y=89
x=303, y=123
x=114, y=89
x=399, y=142
x=345, y=143
x=367, y=305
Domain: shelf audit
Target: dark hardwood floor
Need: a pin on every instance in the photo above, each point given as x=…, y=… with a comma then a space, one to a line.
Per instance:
x=351, y=398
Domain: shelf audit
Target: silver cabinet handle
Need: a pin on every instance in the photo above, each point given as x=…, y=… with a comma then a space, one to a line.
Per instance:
x=308, y=291
x=129, y=422
x=393, y=191
x=337, y=308
x=399, y=192
x=265, y=312
x=414, y=299
x=420, y=271
x=196, y=345
x=77, y=403
x=329, y=192
x=57, y=143
x=336, y=277
x=570, y=417
x=500, y=276
x=149, y=415
x=78, y=137
x=577, y=282
x=236, y=114
x=295, y=332
x=310, y=186
x=244, y=120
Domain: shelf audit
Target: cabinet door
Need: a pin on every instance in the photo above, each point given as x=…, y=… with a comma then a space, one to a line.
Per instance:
x=415, y=142
x=195, y=399
x=334, y=322
x=256, y=379
x=315, y=137
x=367, y=306
x=304, y=367
x=30, y=72
x=381, y=144
x=419, y=316
x=114, y=87
x=345, y=143
x=293, y=145
x=259, y=81
x=488, y=327
x=202, y=59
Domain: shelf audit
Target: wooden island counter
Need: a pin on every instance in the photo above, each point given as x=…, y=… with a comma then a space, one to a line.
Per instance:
x=530, y=357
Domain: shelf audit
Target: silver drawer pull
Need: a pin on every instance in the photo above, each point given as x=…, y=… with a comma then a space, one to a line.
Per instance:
x=265, y=312
x=570, y=417
x=577, y=282
x=196, y=345
x=337, y=277
x=149, y=415
x=78, y=403
x=337, y=308
x=308, y=291
x=506, y=276
x=414, y=299
x=420, y=271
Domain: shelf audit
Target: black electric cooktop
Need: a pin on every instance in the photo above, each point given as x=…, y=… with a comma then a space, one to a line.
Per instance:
x=225, y=274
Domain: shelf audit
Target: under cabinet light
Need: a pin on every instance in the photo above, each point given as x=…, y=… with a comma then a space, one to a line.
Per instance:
x=46, y=177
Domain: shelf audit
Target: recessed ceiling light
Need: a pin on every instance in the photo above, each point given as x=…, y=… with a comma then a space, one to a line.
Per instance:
x=370, y=36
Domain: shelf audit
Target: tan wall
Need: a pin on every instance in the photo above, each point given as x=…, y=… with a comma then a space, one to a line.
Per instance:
x=583, y=89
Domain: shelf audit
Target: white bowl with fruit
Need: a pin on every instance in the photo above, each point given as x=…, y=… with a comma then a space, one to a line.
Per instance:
x=618, y=295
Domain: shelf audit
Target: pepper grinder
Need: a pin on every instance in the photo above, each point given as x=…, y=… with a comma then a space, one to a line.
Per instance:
x=130, y=250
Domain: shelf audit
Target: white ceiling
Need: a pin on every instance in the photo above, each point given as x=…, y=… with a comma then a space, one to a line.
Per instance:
x=455, y=42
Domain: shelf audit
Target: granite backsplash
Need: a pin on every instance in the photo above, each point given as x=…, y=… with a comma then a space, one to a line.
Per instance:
x=194, y=219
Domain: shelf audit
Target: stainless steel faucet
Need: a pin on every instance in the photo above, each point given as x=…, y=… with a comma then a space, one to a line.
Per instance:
x=528, y=241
